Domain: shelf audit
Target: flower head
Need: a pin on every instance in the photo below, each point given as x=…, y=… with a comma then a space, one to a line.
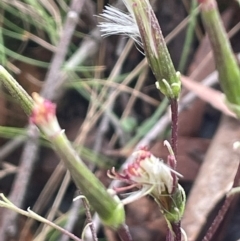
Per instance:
x=142, y=26
x=148, y=173
x=152, y=176
x=44, y=115
x=43, y=110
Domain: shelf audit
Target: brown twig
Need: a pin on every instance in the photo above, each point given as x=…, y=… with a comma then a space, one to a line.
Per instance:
x=19, y=189
x=43, y=200
x=52, y=78
x=72, y=218
x=89, y=219
x=121, y=55
x=10, y=146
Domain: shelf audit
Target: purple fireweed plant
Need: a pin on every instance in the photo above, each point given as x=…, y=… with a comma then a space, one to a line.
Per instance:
x=148, y=173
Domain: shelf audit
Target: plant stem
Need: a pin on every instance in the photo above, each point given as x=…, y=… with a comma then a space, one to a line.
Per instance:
x=89, y=219
x=221, y=214
x=177, y=230
x=16, y=91
x=169, y=236
x=53, y=79
x=174, y=234
x=174, y=138
x=229, y=76
x=6, y=203
x=226, y=63
x=124, y=233
x=174, y=126
x=218, y=219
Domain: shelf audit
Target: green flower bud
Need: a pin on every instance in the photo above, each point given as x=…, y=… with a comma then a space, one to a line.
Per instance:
x=155, y=49
x=173, y=206
x=142, y=26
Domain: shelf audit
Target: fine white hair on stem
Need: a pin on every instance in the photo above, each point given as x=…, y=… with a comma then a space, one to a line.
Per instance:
x=117, y=22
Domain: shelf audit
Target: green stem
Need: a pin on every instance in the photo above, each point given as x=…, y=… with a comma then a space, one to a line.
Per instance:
x=16, y=91
x=109, y=208
x=110, y=211
x=226, y=63
x=5, y=203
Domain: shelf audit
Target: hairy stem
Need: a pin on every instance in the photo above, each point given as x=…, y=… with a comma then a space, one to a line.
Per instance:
x=174, y=125
x=218, y=219
x=177, y=230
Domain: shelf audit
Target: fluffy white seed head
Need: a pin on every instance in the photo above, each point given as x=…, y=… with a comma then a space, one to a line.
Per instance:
x=117, y=22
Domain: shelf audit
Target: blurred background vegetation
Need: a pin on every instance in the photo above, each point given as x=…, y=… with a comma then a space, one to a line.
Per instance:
x=107, y=103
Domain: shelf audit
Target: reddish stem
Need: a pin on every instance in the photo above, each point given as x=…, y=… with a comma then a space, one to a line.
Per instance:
x=174, y=138
x=218, y=219
x=124, y=233
x=177, y=230
x=174, y=126
x=227, y=202
x=176, y=235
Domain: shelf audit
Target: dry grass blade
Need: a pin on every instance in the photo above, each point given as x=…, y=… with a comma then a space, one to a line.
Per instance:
x=8, y=168
x=46, y=194
x=62, y=190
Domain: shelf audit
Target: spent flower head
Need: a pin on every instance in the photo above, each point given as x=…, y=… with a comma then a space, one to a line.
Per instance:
x=117, y=22
x=147, y=171
x=142, y=26
x=152, y=176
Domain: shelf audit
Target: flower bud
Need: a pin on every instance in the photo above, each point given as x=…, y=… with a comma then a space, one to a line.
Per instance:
x=168, y=80
x=142, y=26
